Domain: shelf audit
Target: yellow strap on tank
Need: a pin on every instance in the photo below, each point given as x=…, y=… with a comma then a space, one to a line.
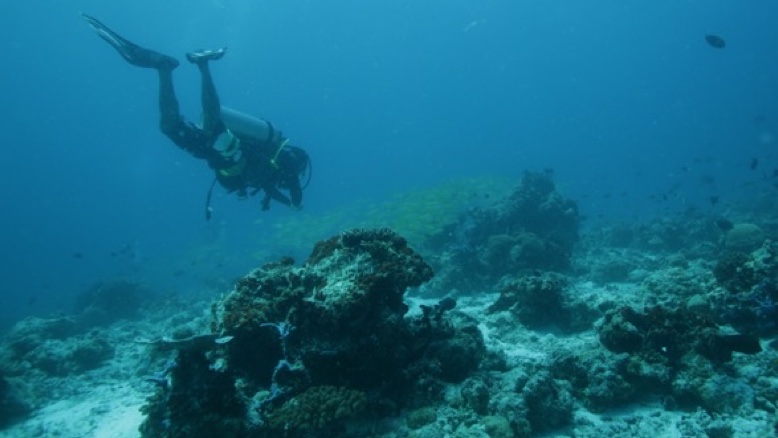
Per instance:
x=278, y=151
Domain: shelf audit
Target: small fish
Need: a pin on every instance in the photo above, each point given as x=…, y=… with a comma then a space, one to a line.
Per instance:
x=715, y=41
x=713, y=200
x=78, y=255
x=754, y=163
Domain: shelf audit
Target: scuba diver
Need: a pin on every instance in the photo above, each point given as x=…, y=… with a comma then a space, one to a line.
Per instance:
x=247, y=154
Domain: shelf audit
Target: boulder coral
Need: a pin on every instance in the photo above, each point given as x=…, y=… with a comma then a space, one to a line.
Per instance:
x=532, y=228
x=329, y=337
x=744, y=237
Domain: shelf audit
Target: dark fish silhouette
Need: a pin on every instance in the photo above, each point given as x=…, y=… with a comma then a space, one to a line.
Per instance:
x=754, y=163
x=713, y=200
x=715, y=41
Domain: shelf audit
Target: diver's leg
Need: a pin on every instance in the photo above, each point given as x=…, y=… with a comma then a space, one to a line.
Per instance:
x=184, y=134
x=212, y=121
x=170, y=116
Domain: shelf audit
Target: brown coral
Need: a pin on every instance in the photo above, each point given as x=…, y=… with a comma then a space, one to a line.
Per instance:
x=318, y=408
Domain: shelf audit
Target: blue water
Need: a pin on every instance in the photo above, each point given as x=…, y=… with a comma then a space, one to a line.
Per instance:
x=635, y=113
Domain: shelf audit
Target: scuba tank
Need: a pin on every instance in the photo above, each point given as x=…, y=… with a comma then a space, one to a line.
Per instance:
x=244, y=125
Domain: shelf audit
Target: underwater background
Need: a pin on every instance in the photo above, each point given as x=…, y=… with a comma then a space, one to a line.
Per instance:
x=409, y=109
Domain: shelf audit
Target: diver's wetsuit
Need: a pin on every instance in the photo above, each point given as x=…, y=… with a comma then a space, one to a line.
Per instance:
x=261, y=164
x=196, y=140
x=259, y=172
x=193, y=139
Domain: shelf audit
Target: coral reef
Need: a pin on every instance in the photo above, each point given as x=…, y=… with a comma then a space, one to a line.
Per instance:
x=532, y=228
x=421, y=417
x=308, y=344
x=674, y=353
x=595, y=378
x=536, y=299
x=750, y=282
x=549, y=402
x=692, y=234
x=47, y=350
x=664, y=336
x=319, y=408
x=734, y=273
x=108, y=301
x=56, y=347
x=660, y=328
x=195, y=399
x=37, y=353
x=13, y=407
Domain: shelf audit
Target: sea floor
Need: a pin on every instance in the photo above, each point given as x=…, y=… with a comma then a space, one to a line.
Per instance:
x=106, y=402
